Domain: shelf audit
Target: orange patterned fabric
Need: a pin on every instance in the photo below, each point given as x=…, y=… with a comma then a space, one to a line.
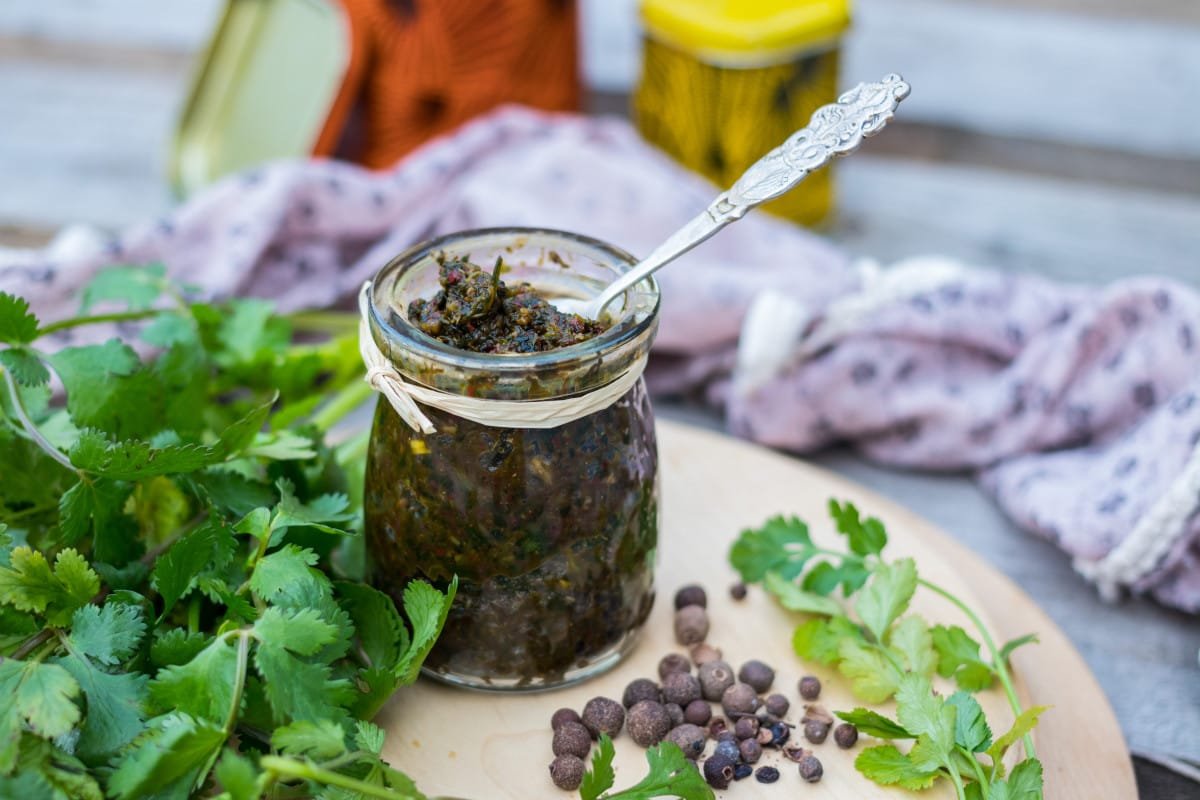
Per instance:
x=419, y=68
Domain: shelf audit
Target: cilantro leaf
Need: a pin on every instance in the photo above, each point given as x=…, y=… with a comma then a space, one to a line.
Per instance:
x=26, y=368
x=176, y=646
x=114, y=707
x=865, y=537
x=824, y=577
x=874, y=724
x=321, y=740
x=46, y=771
x=922, y=712
x=210, y=546
x=109, y=634
x=202, y=687
x=237, y=776
x=302, y=632
x=887, y=766
x=971, y=730
x=17, y=324
x=793, y=598
x=886, y=596
x=39, y=695
x=911, y=638
x=137, y=286
x=781, y=545
x=279, y=572
x=133, y=459
x=381, y=633
x=97, y=507
x=600, y=778
x=29, y=585
x=368, y=736
x=166, y=762
x=325, y=509
x=671, y=774
x=1021, y=726
x=958, y=657
x=871, y=676
x=1023, y=783
x=251, y=335
x=426, y=609
x=820, y=637
x=107, y=388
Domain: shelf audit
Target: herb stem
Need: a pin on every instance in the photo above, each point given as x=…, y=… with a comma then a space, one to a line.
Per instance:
x=32, y=643
x=333, y=322
x=305, y=770
x=998, y=663
x=34, y=433
x=349, y=398
x=957, y=781
x=239, y=679
x=984, y=785
x=75, y=322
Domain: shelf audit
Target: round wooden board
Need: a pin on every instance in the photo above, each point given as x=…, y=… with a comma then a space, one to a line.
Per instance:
x=488, y=746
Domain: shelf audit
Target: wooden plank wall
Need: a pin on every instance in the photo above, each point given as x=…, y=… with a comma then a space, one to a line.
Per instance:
x=1056, y=135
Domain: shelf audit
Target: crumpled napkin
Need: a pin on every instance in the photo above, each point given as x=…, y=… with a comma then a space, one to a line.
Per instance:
x=1076, y=406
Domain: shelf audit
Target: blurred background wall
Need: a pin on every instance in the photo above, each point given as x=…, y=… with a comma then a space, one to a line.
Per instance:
x=1053, y=135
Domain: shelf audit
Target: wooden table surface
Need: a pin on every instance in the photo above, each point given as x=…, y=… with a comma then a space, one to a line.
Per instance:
x=1058, y=136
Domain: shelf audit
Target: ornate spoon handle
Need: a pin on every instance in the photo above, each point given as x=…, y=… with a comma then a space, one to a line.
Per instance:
x=834, y=130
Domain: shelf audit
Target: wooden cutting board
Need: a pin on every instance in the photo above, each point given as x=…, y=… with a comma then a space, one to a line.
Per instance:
x=486, y=746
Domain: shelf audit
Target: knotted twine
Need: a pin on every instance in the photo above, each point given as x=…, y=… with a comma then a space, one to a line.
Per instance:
x=404, y=396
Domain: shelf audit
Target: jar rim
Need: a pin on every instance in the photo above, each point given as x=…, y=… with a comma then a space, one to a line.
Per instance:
x=403, y=342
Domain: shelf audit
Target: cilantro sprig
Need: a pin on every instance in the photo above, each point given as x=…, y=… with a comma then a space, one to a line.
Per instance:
x=182, y=605
x=670, y=774
x=860, y=624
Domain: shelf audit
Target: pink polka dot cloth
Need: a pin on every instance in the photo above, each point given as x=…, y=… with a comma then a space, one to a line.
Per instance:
x=1077, y=407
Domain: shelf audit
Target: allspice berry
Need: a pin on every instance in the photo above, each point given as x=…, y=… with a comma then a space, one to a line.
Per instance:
x=675, y=712
x=572, y=739
x=704, y=653
x=697, y=712
x=810, y=687
x=750, y=750
x=719, y=770
x=746, y=728
x=689, y=738
x=673, y=662
x=691, y=625
x=647, y=723
x=738, y=591
x=681, y=688
x=639, y=690
x=739, y=700
x=715, y=678
x=811, y=769
x=603, y=715
x=777, y=705
x=564, y=715
x=691, y=595
x=757, y=674
x=567, y=772
x=815, y=731
x=846, y=735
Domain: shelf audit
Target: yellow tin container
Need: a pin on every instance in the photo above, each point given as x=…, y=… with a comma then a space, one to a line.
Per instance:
x=724, y=81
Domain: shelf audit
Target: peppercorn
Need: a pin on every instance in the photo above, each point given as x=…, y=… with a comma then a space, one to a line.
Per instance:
x=675, y=712
x=739, y=700
x=718, y=770
x=810, y=687
x=815, y=731
x=681, y=688
x=603, y=715
x=728, y=748
x=567, y=772
x=757, y=674
x=691, y=595
x=564, y=715
x=648, y=722
x=689, y=738
x=746, y=728
x=697, y=712
x=704, y=653
x=717, y=727
x=846, y=735
x=811, y=769
x=750, y=750
x=766, y=775
x=691, y=625
x=639, y=690
x=777, y=705
x=673, y=662
x=738, y=591
x=715, y=678
x=572, y=739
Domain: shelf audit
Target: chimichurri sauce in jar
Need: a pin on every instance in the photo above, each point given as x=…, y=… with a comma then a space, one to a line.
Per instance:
x=552, y=531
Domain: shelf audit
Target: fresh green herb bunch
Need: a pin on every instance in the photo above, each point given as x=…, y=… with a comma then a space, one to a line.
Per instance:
x=182, y=610
x=860, y=624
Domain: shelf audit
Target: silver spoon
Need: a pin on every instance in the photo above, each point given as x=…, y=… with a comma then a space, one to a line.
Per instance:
x=834, y=130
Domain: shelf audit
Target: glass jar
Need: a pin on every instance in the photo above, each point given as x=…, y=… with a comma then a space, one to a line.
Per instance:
x=551, y=532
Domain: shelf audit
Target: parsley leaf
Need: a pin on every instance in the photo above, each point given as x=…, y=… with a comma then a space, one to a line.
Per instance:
x=17, y=324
